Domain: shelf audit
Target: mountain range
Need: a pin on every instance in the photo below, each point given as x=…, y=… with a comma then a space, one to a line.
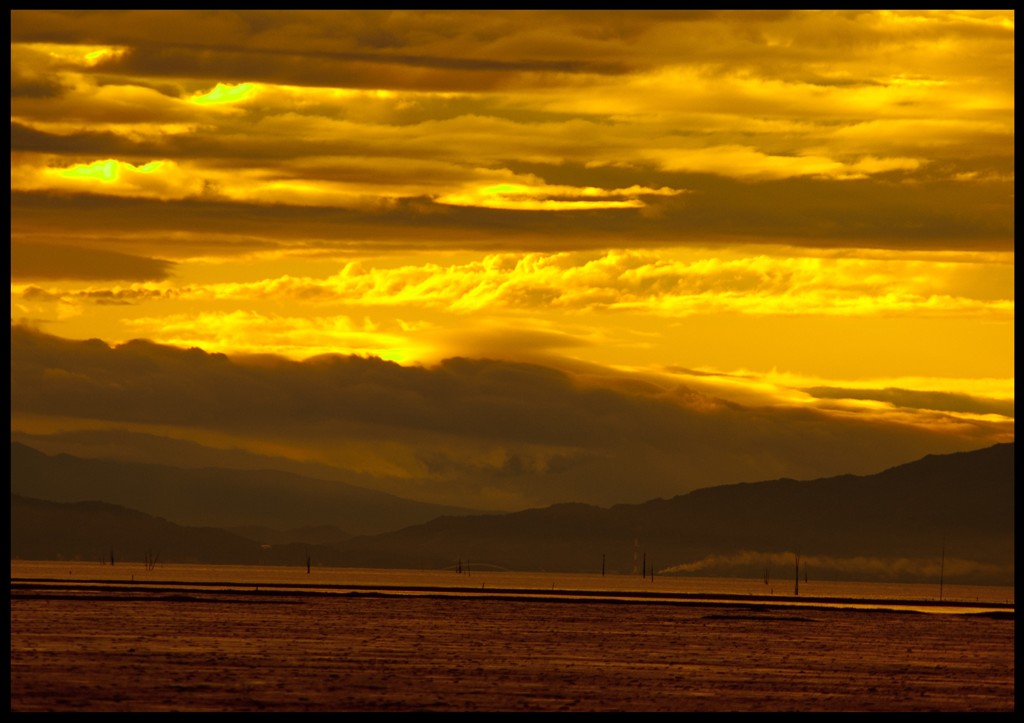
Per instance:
x=216, y=496
x=954, y=511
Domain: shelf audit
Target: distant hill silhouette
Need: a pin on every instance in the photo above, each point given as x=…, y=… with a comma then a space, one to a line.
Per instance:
x=892, y=521
x=42, y=530
x=93, y=531
x=216, y=497
x=125, y=446
x=310, y=534
x=891, y=525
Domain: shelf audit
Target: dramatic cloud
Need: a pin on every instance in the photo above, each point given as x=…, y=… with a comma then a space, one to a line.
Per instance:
x=485, y=110
x=695, y=246
x=489, y=432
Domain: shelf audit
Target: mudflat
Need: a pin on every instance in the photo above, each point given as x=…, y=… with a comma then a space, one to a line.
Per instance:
x=153, y=650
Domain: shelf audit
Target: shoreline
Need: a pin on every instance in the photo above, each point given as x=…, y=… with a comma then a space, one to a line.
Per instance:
x=39, y=587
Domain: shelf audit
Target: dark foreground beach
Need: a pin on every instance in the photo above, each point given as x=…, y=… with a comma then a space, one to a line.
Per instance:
x=116, y=648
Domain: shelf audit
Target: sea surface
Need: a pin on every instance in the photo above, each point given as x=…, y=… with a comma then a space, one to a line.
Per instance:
x=947, y=597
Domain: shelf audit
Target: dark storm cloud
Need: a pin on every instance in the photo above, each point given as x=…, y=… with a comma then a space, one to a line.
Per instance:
x=602, y=445
x=35, y=261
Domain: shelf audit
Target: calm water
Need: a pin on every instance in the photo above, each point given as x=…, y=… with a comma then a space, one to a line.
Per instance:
x=523, y=581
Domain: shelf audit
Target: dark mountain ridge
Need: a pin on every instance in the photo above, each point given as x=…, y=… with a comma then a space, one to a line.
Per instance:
x=216, y=497
x=95, y=531
x=891, y=525
x=962, y=503
x=125, y=446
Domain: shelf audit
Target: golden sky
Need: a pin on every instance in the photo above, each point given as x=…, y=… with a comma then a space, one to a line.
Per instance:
x=721, y=246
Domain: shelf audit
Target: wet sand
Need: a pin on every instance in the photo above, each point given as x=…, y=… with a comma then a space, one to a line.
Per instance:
x=112, y=649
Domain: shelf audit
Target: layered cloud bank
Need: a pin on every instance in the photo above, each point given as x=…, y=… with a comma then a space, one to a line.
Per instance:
x=484, y=433
x=794, y=127
x=723, y=245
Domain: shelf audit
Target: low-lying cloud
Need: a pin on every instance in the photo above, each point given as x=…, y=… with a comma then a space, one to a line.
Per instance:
x=476, y=432
x=780, y=567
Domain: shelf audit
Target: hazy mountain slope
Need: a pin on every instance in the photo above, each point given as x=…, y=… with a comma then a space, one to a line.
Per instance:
x=213, y=496
x=893, y=525
x=961, y=502
x=965, y=497
x=123, y=446
x=313, y=534
x=42, y=530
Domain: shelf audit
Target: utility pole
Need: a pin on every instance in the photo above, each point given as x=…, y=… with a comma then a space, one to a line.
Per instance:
x=942, y=567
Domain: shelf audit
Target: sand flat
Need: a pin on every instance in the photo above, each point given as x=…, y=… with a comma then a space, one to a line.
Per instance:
x=153, y=650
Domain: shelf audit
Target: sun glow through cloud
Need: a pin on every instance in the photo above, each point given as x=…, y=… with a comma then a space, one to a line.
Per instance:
x=808, y=212
x=224, y=93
